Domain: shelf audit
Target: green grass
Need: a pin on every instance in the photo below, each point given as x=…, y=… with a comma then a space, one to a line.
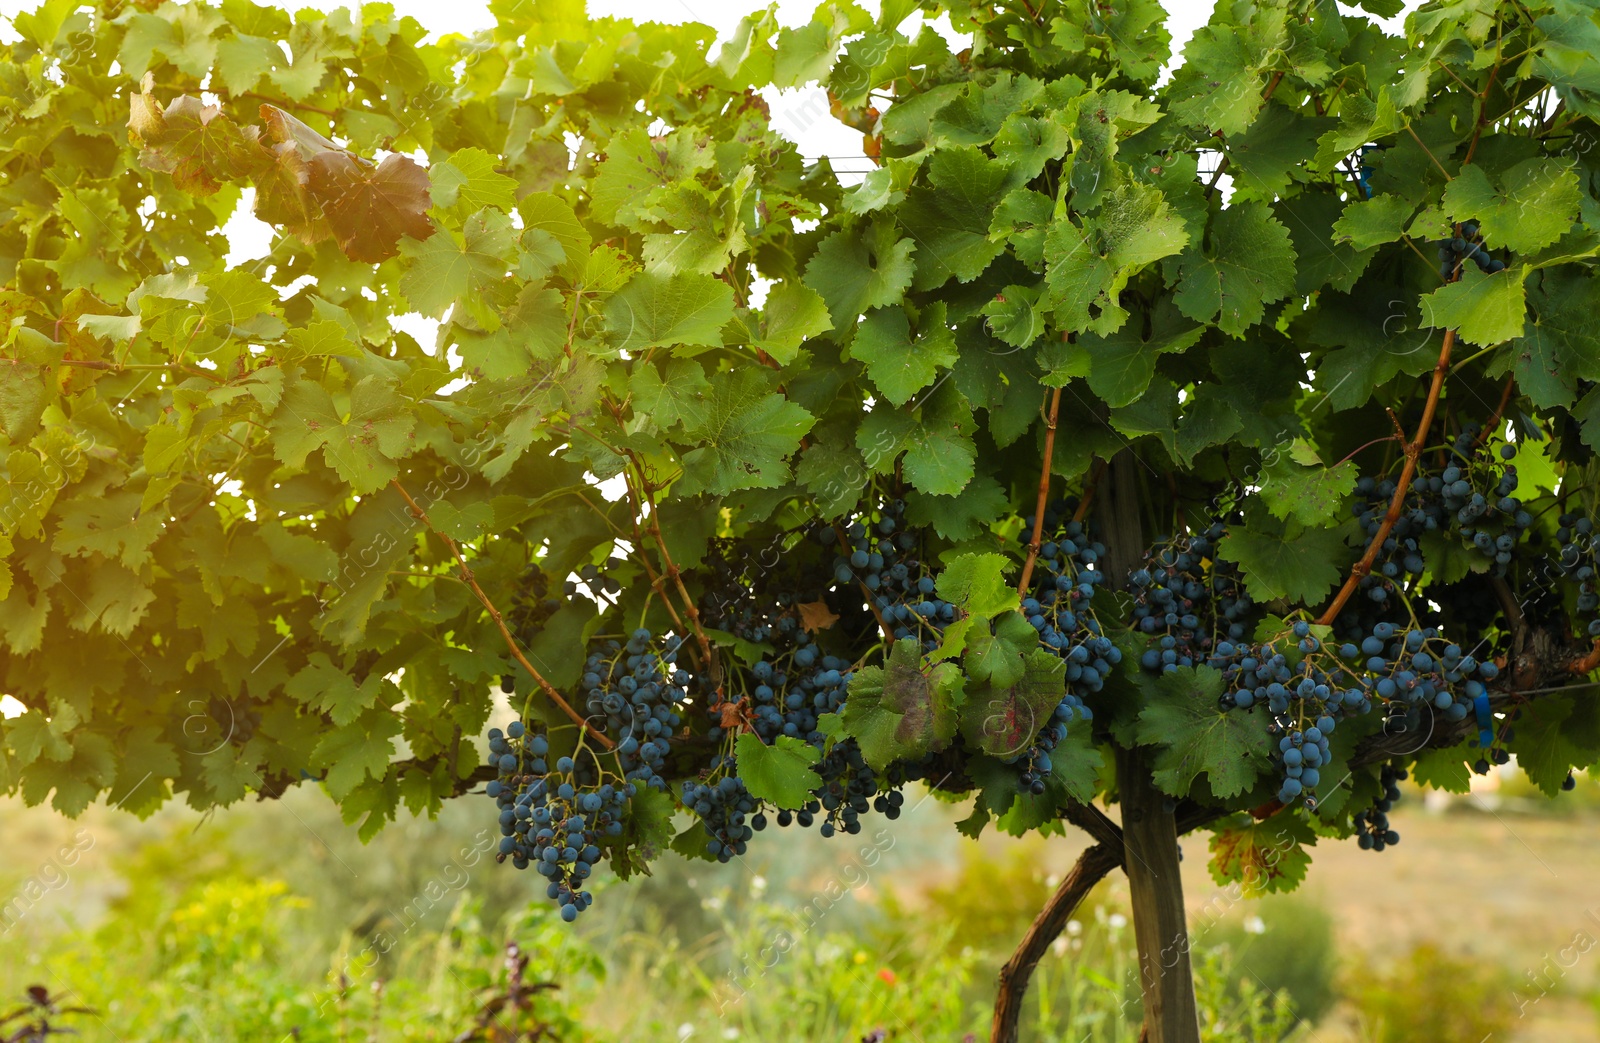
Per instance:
x=238, y=926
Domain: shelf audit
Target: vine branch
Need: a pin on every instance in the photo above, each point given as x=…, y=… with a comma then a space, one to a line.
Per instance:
x=1091, y=867
x=646, y=496
x=516, y=651
x=1044, y=491
x=1413, y=450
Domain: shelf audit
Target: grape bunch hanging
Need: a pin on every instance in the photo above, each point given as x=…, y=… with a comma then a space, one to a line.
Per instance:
x=797, y=618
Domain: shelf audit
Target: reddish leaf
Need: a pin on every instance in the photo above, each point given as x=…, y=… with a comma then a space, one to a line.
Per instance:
x=282, y=197
x=369, y=207
x=286, y=130
x=194, y=142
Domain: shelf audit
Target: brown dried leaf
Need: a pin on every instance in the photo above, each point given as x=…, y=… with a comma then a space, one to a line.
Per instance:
x=369, y=207
x=816, y=615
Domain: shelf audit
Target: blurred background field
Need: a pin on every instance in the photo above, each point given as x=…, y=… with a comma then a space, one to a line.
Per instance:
x=271, y=922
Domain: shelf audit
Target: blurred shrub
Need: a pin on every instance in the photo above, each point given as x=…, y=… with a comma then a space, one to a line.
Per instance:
x=1281, y=942
x=1431, y=996
x=1234, y=1008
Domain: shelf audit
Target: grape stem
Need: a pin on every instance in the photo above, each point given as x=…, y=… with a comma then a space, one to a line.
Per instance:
x=470, y=580
x=1401, y=438
x=645, y=496
x=1088, y=491
x=1499, y=411
x=1044, y=491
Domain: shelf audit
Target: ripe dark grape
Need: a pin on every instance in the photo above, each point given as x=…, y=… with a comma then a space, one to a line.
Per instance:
x=637, y=689
x=555, y=821
x=1372, y=825
x=1579, y=561
x=723, y=805
x=1188, y=601
x=1059, y=606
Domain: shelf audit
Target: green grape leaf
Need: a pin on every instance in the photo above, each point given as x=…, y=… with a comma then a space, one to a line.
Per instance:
x=1536, y=206
x=1285, y=560
x=1555, y=349
x=899, y=362
x=674, y=393
x=950, y=220
x=1181, y=717
x=780, y=774
x=361, y=441
x=354, y=752
x=855, y=269
x=1554, y=736
x=792, y=314
x=1309, y=495
x=1248, y=263
x=684, y=311
x=324, y=687
x=745, y=439
x=451, y=267
x=469, y=178
x=1483, y=309
x=1445, y=769
x=976, y=584
x=1372, y=222
x=1087, y=267
x=936, y=440
x=992, y=660
x=961, y=517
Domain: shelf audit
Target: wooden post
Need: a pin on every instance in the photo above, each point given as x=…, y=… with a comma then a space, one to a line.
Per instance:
x=1149, y=831
x=1150, y=853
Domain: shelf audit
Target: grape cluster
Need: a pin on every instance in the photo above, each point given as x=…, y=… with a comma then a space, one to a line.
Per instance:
x=1372, y=825
x=554, y=819
x=1400, y=669
x=1058, y=606
x=531, y=604
x=883, y=558
x=1492, y=522
x=796, y=682
x=1188, y=601
x=638, y=690
x=726, y=810
x=599, y=585
x=790, y=690
x=1579, y=560
x=849, y=789
x=1400, y=556
x=1467, y=243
